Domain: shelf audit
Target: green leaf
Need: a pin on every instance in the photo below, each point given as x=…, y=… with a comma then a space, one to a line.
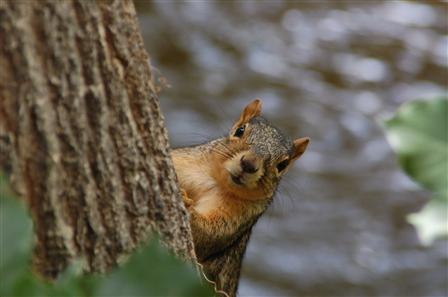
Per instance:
x=152, y=271
x=419, y=135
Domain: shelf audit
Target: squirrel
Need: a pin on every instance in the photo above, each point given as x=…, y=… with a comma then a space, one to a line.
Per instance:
x=228, y=183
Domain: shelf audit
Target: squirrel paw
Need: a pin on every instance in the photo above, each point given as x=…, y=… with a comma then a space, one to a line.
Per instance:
x=187, y=200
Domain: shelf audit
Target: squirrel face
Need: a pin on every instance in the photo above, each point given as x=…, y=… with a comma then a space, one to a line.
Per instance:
x=256, y=155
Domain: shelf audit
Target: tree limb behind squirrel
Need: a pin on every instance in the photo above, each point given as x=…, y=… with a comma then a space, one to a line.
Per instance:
x=227, y=184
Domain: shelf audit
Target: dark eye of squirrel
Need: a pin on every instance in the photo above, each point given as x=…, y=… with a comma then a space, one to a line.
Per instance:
x=239, y=132
x=282, y=165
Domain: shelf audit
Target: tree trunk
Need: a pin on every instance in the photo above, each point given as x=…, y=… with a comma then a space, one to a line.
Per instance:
x=81, y=134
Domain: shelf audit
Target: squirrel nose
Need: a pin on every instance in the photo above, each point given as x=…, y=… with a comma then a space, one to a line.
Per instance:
x=247, y=165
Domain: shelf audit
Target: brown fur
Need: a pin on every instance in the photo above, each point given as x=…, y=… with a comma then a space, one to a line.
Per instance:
x=227, y=184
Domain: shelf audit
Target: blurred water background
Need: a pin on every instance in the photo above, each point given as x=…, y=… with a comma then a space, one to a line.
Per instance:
x=329, y=70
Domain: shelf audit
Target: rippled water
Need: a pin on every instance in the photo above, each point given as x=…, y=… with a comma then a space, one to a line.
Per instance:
x=329, y=70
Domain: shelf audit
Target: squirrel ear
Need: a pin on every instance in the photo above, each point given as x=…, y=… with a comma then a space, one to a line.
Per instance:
x=252, y=110
x=300, y=145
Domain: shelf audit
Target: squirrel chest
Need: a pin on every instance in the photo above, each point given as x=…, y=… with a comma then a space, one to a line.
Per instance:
x=194, y=174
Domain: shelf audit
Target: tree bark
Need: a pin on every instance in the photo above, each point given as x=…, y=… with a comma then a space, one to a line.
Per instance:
x=81, y=133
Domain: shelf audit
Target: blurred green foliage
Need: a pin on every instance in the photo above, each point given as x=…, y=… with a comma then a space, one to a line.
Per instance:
x=419, y=135
x=151, y=271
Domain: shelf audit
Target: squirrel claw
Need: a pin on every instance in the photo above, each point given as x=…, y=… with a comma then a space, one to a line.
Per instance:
x=187, y=200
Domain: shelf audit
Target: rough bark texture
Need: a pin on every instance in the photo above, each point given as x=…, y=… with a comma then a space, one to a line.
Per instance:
x=81, y=133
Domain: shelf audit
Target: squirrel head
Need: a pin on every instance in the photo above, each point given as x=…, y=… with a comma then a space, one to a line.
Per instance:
x=256, y=155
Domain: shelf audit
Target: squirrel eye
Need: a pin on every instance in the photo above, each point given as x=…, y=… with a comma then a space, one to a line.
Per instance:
x=239, y=132
x=282, y=165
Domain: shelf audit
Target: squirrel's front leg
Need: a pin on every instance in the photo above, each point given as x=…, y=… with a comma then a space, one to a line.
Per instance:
x=187, y=200
x=212, y=233
x=205, y=233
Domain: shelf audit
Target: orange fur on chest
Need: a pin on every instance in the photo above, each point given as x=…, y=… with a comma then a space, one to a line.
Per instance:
x=193, y=172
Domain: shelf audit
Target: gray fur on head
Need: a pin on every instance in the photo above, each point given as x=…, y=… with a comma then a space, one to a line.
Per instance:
x=267, y=141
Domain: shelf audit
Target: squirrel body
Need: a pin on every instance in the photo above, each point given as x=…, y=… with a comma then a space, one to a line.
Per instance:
x=229, y=182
